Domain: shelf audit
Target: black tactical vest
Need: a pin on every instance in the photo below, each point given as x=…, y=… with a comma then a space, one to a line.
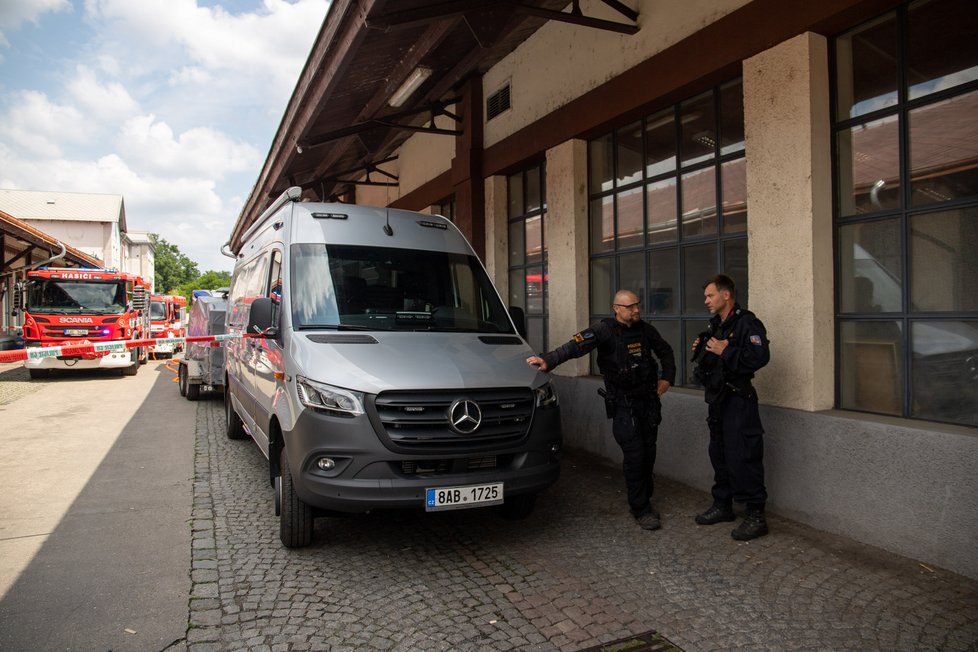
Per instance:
x=627, y=363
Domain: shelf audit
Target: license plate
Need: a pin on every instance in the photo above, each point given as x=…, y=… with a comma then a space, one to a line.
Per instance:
x=473, y=495
x=77, y=332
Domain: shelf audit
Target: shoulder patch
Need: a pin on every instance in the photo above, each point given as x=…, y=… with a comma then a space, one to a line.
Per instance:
x=586, y=334
x=755, y=340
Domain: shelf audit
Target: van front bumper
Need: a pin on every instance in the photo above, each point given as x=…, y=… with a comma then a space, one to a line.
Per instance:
x=370, y=476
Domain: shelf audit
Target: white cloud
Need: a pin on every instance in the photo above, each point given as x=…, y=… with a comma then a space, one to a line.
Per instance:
x=270, y=45
x=14, y=13
x=39, y=126
x=198, y=152
x=109, y=102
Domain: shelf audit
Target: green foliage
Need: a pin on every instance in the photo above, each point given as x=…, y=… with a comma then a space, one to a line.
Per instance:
x=209, y=280
x=172, y=267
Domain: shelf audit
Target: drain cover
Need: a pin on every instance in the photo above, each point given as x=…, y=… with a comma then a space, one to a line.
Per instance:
x=646, y=642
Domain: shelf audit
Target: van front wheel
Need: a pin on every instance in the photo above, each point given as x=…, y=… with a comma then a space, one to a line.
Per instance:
x=296, y=517
x=235, y=427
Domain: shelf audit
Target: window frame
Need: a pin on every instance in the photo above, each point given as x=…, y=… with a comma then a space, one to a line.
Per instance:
x=904, y=214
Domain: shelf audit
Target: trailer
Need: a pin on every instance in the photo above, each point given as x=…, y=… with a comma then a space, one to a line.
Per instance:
x=201, y=367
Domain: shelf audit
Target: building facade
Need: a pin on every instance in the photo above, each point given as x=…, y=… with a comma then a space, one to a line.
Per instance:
x=825, y=157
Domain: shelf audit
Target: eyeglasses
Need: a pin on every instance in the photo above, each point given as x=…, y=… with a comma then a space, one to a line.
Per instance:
x=630, y=306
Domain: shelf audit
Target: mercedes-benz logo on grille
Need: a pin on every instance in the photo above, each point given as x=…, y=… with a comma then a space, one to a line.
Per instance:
x=465, y=416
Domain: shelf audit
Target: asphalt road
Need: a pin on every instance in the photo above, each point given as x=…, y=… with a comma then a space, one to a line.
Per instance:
x=95, y=501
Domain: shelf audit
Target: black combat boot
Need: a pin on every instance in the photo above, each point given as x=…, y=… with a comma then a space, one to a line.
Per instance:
x=754, y=525
x=716, y=514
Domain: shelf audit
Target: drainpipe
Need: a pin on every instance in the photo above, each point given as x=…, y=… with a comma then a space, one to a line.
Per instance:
x=44, y=262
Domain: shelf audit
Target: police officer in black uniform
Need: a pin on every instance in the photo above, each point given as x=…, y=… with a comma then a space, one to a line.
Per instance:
x=632, y=387
x=727, y=355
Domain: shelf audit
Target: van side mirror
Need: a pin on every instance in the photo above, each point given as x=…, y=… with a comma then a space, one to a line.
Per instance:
x=260, y=317
x=519, y=319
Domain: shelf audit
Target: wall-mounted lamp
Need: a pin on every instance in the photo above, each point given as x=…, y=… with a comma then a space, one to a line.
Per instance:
x=298, y=148
x=411, y=84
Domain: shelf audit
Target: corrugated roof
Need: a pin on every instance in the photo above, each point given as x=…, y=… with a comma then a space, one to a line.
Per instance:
x=74, y=206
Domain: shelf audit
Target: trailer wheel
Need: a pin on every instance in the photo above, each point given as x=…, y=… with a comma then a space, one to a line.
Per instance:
x=193, y=391
x=235, y=427
x=296, y=518
x=182, y=378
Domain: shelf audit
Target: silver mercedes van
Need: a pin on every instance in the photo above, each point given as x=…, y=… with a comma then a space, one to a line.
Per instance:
x=378, y=368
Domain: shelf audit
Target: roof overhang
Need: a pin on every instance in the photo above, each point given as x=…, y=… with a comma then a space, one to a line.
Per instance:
x=339, y=125
x=22, y=246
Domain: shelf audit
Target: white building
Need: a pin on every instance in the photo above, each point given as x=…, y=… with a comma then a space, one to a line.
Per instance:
x=92, y=223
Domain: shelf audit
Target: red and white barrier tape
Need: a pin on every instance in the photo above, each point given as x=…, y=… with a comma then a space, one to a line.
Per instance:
x=96, y=348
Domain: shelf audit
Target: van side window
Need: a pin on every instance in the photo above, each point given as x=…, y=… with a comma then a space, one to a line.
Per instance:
x=274, y=289
x=246, y=287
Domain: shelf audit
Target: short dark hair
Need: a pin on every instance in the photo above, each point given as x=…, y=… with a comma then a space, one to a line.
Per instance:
x=723, y=282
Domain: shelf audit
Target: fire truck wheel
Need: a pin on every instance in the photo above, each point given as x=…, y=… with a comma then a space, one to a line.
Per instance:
x=39, y=373
x=182, y=377
x=296, y=518
x=235, y=427
x=132, y=369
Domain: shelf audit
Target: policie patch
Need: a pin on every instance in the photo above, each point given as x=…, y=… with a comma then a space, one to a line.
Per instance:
x=755, y=340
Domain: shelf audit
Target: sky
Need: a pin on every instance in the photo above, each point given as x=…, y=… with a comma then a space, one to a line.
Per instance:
x=172, y=104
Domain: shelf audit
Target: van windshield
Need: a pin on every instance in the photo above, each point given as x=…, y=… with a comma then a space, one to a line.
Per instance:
x=382, y=288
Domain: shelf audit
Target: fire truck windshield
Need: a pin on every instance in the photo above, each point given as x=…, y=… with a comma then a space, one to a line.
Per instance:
x=49, y=296
x=157, y=310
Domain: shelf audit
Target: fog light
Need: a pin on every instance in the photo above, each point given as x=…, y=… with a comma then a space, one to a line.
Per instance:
x=326, y=463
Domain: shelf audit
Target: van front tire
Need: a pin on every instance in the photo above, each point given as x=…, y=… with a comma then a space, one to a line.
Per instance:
x=235, y=427
x=296, y=518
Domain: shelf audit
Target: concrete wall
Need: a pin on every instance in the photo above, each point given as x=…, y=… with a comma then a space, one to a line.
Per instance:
x=561, y=61
x=909, y=488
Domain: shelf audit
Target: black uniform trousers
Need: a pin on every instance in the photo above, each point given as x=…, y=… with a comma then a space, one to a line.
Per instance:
x=737, y=451
x=636, y=429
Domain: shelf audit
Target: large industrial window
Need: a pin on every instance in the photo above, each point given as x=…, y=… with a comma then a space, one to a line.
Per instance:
x=668, y=209
x=527, y=210
x=906, y=212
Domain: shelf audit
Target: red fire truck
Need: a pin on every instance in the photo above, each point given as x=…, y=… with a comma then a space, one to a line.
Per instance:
x=84, y=306
x=168, y=315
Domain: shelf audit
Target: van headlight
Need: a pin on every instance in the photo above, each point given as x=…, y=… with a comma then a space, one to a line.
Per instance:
x=546, y=395
x=340, y=402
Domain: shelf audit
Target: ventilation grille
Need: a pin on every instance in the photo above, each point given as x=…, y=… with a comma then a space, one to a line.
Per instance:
x=497, y=103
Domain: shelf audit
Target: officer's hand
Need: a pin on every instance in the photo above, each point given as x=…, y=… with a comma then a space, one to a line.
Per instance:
x=662, y=387
x=537, y=361
x=692, y=348
x=716, y=346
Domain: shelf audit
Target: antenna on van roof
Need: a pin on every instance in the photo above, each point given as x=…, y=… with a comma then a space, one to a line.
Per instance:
x=387, y=227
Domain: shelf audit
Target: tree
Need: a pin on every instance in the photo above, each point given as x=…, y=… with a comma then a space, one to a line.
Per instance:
x=172, y=267
x=209, y=280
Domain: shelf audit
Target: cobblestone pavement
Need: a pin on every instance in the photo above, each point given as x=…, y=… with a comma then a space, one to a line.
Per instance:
x=576, y=574
x=14, y=382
